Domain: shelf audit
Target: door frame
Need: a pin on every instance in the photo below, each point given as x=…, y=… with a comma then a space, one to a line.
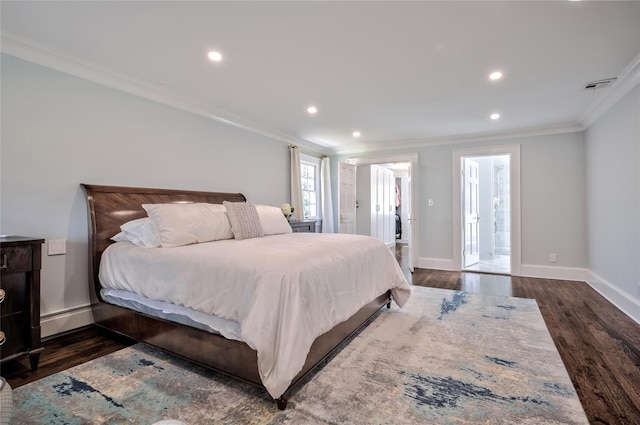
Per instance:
x=514, y=175
x=412, y=158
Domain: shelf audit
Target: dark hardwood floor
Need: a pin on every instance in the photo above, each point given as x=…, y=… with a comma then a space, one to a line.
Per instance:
x=63, y=352
x=600, y=346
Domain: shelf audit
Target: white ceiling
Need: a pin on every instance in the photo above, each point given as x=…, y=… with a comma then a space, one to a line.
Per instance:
x=402, y=73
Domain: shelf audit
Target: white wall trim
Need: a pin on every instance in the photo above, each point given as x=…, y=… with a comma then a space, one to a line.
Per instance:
x=65, y=320
x=625, y=302
x=437, y=264
x=622, y=300
x=550, y=272
x=48, y=57
x=458, y=139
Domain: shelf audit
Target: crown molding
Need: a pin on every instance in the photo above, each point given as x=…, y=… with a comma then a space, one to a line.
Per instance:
x=628, y=79
x=51, y=58
x=457, y=140
x=54, y=59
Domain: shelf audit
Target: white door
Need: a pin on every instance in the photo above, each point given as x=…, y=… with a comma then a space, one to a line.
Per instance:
x=347, y=197
x=470, y=205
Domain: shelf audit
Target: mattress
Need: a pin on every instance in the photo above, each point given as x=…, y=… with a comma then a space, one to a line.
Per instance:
x=175, y=313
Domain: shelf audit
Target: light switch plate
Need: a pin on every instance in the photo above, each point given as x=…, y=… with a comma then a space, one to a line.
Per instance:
x=57, y=247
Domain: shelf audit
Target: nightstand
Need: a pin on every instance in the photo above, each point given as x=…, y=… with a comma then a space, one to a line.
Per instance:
x=20, y=259
x=308, y=226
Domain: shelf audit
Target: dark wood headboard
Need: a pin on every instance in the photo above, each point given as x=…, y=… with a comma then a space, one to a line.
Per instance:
x=111, y=206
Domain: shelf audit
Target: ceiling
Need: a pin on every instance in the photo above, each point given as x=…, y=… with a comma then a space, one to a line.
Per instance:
x=401, y=73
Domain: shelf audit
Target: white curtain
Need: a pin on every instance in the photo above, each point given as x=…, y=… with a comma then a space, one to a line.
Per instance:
x=325, y=188
x=296, y=184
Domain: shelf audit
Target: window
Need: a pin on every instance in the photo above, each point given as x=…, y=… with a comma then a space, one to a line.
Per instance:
x=310, y=176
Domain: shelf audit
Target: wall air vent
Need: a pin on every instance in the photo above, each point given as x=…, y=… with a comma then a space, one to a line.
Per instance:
x=592, y=85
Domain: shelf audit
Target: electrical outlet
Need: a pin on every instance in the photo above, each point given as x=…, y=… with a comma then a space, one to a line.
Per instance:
x=553, y=258
x=430, y=202
x=57, y=247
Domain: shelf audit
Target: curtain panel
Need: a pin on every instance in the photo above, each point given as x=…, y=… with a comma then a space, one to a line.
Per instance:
x=296, y=183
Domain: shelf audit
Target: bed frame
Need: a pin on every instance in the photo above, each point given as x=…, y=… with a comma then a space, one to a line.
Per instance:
x=111, y=206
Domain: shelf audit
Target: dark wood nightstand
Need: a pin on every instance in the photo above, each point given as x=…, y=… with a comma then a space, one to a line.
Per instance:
x=20, y=259
x=309, y=226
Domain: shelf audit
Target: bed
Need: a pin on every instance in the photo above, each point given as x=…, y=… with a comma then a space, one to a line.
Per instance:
x=287, y=348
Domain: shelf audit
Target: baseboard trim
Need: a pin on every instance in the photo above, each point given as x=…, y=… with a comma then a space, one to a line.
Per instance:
x=624, y=301
x=437, y=264
x=65, y=320
x=549, y=272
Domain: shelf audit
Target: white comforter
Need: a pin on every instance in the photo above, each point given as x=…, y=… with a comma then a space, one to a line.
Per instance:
x=284, y=290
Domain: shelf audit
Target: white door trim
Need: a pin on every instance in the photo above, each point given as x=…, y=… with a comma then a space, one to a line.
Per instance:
x=414, y=244
x=514, y=152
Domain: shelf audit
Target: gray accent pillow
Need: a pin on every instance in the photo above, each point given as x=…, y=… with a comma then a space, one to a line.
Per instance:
x=244, y=219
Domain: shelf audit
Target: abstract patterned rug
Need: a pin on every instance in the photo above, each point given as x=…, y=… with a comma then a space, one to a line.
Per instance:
x=447, y=357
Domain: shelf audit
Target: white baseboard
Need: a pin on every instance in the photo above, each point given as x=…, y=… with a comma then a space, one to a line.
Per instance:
x=66, y=320
x=625, y=302
x=550, y=272
x=437, y=264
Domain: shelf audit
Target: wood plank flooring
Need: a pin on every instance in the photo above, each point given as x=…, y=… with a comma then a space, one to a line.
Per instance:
x=600, y=346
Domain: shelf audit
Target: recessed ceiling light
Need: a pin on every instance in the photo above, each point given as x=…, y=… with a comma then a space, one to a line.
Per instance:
x=495, y=75
x=312, y=110
x=356, y=134
x=215, y=56
x=494, y=116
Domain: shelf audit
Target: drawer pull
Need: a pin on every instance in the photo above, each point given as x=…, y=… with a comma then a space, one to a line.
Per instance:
x=2, y=338
x=2, y=295
x=4, y=262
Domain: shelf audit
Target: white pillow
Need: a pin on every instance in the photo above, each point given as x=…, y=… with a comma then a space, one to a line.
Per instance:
x=272, y=220
x=185, y=224
x=244, y=220
x=140, y=232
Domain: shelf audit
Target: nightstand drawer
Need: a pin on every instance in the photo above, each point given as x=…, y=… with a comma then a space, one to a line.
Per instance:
x=15, y=259
x=16, y=339
x=16, y=298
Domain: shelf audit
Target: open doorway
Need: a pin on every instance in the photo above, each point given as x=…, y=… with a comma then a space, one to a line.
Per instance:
x=405, y=227
x=487, y=231
x=486, y=200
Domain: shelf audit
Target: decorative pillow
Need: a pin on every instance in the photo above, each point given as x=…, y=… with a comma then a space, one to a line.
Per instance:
x=272, y=220
x=185, y=224
x=140, y=232
x=244, y=220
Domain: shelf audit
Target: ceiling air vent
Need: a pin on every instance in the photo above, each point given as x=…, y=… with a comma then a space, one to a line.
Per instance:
x=592, y=85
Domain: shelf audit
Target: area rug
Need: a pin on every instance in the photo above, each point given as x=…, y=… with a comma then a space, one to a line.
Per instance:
x=447, y=357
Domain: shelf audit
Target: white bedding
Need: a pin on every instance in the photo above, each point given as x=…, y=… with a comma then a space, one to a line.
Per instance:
x=284, y=290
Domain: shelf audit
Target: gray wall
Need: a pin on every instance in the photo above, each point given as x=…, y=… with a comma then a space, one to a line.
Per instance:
x=552, y=192
x=613, y=194
x=59, y=131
